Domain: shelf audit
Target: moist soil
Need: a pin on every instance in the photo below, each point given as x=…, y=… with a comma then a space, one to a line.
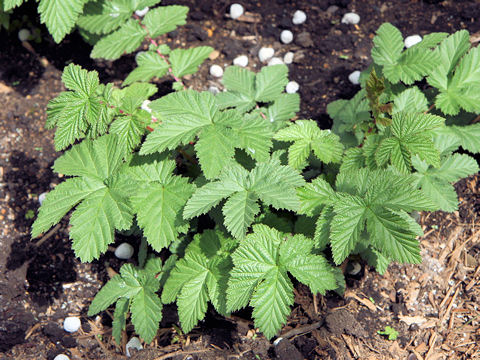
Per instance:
x=433, y=306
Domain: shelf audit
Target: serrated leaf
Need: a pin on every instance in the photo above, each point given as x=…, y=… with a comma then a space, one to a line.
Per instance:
x=129, y=130
x=109, y=293
x=164, y=19
x=94, y=221
x=255, y=136
x=239, y=211
x=158, y=207
x=60, y=16
x=307, y=137
x=125, y=40
x=314, y=196
x=120, y=319
x=240, y=80
x=10, y=4
x=283, y=108
x=413, y=65
x=150, y=65
x=270, y=82
x=260, y=275
x=104, y=16
x=187, y=61
x=388, y=45
x=411, y=100
x=146, y=309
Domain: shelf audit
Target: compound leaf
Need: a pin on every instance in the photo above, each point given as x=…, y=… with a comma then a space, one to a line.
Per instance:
x=60, y=16
x=164, y=19
x=187, y=61
x=270, y=82
x=150, y=65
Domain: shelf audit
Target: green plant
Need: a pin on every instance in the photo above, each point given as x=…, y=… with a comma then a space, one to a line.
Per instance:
x=390, y=332
x=278, y=193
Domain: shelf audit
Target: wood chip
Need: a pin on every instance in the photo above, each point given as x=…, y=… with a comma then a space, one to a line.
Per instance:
x=371, y=306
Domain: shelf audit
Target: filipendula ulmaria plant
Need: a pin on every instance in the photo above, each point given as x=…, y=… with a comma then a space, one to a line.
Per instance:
x=278, y=192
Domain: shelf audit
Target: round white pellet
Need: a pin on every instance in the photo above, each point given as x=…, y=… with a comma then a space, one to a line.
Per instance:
x=351, y=18
x=124, y=251
x=241, y=60
x=24, y=34
x=299, y=17
x=354, y=77
x=236, y=10
x=286, y=36
x=71, y=324
x=216, y=70
x=61, y=357
x=133, y=343
x=145, y=106
x=214, y=90
x=265, y=54
x=288, y=58
x=412, y=40
x=41, y=198
x=142, y=12
x=292, y=87
x=275, y=61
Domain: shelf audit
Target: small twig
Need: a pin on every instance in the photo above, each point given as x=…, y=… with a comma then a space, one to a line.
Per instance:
x=302, y=329
x=47, y=236
x=180, y=352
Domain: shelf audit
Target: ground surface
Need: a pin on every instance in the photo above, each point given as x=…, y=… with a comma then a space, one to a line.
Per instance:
x=433, y=306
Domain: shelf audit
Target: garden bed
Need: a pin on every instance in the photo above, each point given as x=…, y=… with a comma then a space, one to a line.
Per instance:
x=433, y=306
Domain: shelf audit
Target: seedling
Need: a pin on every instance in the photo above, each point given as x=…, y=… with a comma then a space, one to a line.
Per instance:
x=390, y=332
x=30, y=214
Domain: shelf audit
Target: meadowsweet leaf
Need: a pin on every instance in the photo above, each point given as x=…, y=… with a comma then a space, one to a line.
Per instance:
x=158, y=202
x=199, y=277
x=240, y=80
x=270, y=182
x=450, y=52
x=313, y=196
x=283, y=108
x=410, y=136
x=436, y=182
x=114, y=289
x=10, y=4
x=413, y=65
x=411, y=100
x=259, y=275
x=149, y=65
x=254, y=135
x=61, y=200
x=81, y=110
x=468, y=136
x=120, y=319
x=388, y=45
x=104, y=16
x=125, y=40
x=307, y=137
x=165, y=19
x=187, y=61
x=60, y=16
x=146, y=309
x=270, y=82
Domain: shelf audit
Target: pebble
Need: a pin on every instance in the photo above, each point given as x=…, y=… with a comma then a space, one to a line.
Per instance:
x=124, y=251
x=332, y=9
x=61, y=357
x=265, y=54
x=71, y=324
x=216, y=70
x=275, y=61
x=412, y=40
x=236, y=10
x=143, y=107
x=354, y=77
x=354, y=268
x=41, y=198
x=351, y=18
x=24, y=34
x=288, y=58
x=286, y=36
x=214, y=90
x=299, y=17
x=133, y=343
x=142, y=12
x=292, y=87
x=304, y=39
x=241, y=60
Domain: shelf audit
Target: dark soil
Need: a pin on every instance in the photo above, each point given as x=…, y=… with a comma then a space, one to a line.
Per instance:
x=433, y=306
